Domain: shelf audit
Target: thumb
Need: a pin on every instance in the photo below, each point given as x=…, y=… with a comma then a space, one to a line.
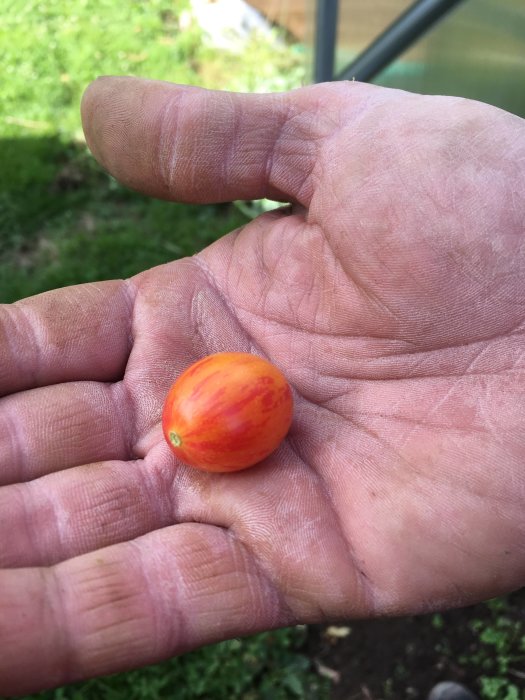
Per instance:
x=195, y=145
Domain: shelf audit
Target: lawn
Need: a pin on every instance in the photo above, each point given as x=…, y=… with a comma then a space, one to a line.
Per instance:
x=64, y=221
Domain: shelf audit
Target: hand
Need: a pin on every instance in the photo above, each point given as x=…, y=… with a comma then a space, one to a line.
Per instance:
x=392, y=295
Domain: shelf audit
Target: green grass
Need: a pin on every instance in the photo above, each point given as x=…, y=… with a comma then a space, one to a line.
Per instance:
x=499, y=654
x=62, y=220
x=79, y=225
x=268, y=666
x=52, y=50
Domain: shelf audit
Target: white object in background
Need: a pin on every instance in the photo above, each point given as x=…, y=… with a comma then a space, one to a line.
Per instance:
x=228, y=23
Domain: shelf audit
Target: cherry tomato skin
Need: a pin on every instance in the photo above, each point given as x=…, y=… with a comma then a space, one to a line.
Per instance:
x=227, y=412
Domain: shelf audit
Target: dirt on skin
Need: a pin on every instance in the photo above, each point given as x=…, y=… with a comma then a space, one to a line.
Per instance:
x=401, y=659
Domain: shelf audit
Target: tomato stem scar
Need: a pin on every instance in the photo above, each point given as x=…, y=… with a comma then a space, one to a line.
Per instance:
x=175, y=439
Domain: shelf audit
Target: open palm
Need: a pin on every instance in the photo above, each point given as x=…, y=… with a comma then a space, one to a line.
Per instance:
x=391, y=293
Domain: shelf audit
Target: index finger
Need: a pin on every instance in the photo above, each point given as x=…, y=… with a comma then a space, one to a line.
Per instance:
x=79, y=332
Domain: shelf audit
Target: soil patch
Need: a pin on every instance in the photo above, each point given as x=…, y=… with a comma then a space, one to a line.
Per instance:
x=482, y=646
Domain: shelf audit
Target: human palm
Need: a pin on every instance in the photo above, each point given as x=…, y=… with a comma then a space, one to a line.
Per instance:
x=392, y=295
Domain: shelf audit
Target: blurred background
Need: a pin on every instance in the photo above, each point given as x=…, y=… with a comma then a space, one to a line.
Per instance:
x=65, y=221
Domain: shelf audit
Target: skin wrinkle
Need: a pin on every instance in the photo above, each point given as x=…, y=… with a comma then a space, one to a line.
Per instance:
x=26, y=523
x=268, y=591
x=110, y=509
x=493, y=501
x=160, y=484
x=126, y=419
x=305, y=292
x=28, y=499
x=167, y=155
x=443, y=399
x=206, y=270
x=289, y=325
x=60, y=520
x=98, y=597
x=388, y=446
x=414, y=423
x=19, y=454
x=357, y=283
x=263, y=262
x=278, y=152
x=15, y=313
x=130, y=396
x=165, y=482
x=412, y=466
x=130, y=295
x=341, y=336
x=494, y=430
x=393, y=354
x=198, y=317
x=8, y=335
x=121, y=510
x=424, y=422
x=269, y=165
x=177, y=631
x=266, y=588
x=518, y=362
x=472, y=492
x=263, y=265
x=419, y=361
x=268, y=269
x=211, y=280
x=421, y=484
x=229, y=164
x=365, y=585
x=485, y=347
x=173, y=161
x=188, y=603
x=240, y=566
x=104, y=431
x=264, y=573
x=54, y=597
x=284, y=596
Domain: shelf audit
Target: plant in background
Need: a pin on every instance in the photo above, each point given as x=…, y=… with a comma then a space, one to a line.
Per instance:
x=54, y=200
x=268, y=666
x=499, y=653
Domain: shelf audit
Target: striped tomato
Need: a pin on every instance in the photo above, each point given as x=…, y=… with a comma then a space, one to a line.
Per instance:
x=227, y=412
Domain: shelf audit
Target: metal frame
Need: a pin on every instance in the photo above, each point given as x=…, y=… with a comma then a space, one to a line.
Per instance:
x=410, y=26
x=325, y=39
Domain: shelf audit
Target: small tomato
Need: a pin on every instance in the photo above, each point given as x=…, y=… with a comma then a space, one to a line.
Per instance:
x=227, y=412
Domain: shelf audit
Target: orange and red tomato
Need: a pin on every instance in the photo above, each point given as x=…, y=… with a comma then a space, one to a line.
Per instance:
x=227, y=412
